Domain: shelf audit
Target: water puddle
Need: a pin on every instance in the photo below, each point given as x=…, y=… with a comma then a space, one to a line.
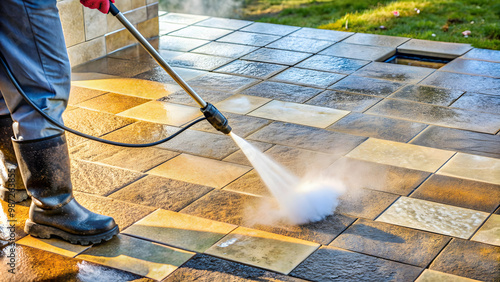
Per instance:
x=309, y=199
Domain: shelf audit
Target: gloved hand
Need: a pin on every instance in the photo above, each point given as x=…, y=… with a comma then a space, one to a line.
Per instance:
x=102, y=5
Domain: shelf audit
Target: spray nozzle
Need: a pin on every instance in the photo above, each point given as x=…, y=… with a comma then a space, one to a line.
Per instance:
x=216, y=118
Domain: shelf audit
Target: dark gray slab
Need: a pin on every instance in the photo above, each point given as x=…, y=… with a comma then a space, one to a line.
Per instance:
x=333, y=264
x=344, y=101
x=241, y=124
x=180, y=43
x=307, y=77
x=460, y=140
x=300, y=44
x=267, y=28
x=276, y=56
x=434, y=48
x=459, y=192
x=198, y=61
x=427, y=94
x=473, y=67
x=376, y=40
x=464, y=82
x=365, y=203
x=282, y=91
x=395, y=72
x=181, y=97
x=158, y=74
x=224, y=49
x=309, y=138
x=252, y=69
x=249, y=38
x=222, y=82
x=478, y=102
x=378, y=127
x=391, y=242
x=442, y=116
x=200, y=32
x=483, y=54
x=368, y=86
x=362, y=52
x=224, y=23
x=469, y=259
x=207, y=268
x=322, y=34
x=160, y=192
x=333, y=64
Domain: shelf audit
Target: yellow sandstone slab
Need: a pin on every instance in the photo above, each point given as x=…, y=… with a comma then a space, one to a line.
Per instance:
x=57, y=246
x=489, y=233
x=473, y=167
x=433, y=276
x=162, y=112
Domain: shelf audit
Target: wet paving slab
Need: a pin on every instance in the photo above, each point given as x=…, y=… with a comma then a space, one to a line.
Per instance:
x=267, y=28
x=332, y=64
x=161, y=192
x=364, y=203
x=378, y=127
x=464, y=82
x=489, y=233
x=38, y=265
x=249, y=38
x=158, y=74
x=198, y=61
x=225, y=49
x=112, y=103
x=205, y=267
x=166, y=27
x=376, y=40
x=344, y=101
x=200, y=32
x=434, y=48
x=459, y=192
x=282, y=91
x=483, y=54
x=367, y=86
x=481, y=262
x=321, y=34
x=252, y=69
x=300, y=44
x=307, y=77
x=242, y=125
x=224, y=23
x=391, y=242
x=182, y=97
x=223, y=82
x=360, y=52
x=239, y=157
x=429, y=95
x=473, y=67
x=81, y=94
x=459, y=140
x=478, y=102
x=436, y=115
x=394, y=72
x=432, y=275
x=276, y=56
x=179, y=43
x=333, y=264
x=162, y=112
x=473, y=167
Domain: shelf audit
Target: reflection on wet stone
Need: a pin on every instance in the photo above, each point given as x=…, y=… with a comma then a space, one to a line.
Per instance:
x=181, y=97
x=368, y=86
x=199, y=32
x=333, y=64
x=395, y=72
x=478, y=102
x=321, y=34
x=223, y=82
x=282, y=91
x=180, y=43
x=300, y=44
x=198, y=61
x=267, y=28
x=464, y=82
x=225, y=49
x=276, y=56
x=426, y=94
x=311, y=78
x=252, y=69
x=248, y=38
x=344, y=101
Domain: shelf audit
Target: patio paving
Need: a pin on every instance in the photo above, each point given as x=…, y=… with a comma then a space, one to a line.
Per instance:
x=418, y=149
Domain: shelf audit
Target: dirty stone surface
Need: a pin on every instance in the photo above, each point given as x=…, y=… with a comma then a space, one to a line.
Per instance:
x=417, y=149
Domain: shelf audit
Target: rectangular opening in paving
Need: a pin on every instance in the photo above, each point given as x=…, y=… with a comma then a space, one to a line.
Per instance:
x=417, y=61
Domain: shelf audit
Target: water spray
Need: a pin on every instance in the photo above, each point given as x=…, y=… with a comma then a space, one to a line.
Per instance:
x=211, y=113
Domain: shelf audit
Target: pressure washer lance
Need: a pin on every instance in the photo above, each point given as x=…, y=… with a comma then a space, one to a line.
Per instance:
x=214, y=116
x=211, y=113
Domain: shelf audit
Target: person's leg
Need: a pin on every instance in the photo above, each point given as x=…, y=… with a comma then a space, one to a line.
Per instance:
x=32, y=42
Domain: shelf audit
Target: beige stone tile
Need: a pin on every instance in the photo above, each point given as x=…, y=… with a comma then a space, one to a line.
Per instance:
x=95, y=23
x=53, y=245
x=433, y=217
x=262, y=249
x=299, y=114
x=162, y=112
x=432, y=276
x=112, y=103
x=200, y=170
x=137, y=256
x=489, y=233
x=241, y=104
x=71, y=14
x=87, y=51
x=473, y=167
x=149, y=28
x=180, y=230
x=401, y=154
x=118, y=39
x=126, y=86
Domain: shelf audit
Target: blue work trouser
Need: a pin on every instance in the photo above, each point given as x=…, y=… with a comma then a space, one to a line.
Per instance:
x=32, y=41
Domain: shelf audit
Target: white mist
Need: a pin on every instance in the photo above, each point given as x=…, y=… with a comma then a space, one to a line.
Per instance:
x=301, y=201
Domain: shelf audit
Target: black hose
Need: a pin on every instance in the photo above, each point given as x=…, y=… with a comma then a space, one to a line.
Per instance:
x=11, y=77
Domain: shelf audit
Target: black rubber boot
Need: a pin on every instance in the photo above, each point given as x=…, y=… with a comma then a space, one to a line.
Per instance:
x=11, y=184
x=45, y=167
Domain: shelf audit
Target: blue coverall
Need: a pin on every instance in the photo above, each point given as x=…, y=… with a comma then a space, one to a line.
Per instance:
x=32, y=41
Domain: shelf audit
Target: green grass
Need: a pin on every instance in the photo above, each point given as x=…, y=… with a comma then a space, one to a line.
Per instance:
x=440, y=20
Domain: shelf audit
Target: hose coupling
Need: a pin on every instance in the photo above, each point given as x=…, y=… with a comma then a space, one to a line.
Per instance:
x=216, y=118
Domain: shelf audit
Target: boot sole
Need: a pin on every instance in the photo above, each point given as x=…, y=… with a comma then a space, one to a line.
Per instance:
x=19, y=195
x=45, y=232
